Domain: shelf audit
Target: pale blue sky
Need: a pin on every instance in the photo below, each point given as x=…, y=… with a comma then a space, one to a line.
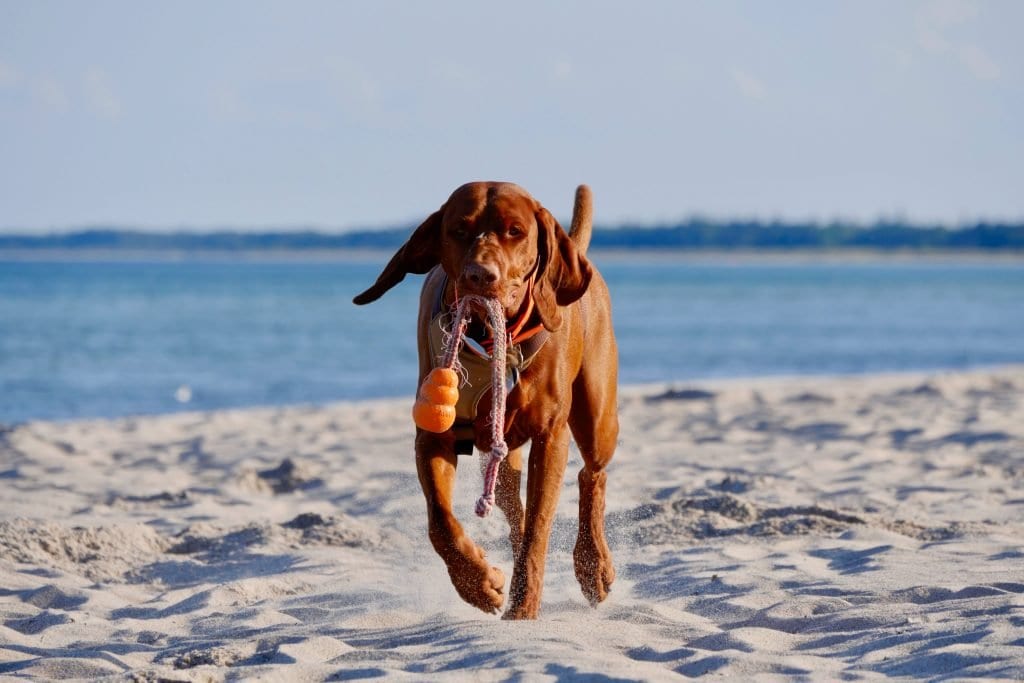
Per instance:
x=345, y=114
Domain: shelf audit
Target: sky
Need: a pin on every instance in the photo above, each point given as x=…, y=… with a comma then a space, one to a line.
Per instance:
x=341, y=115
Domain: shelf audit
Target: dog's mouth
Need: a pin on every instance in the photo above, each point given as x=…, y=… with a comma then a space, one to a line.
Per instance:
x=490, y=289
x=479, y=323
x=507, y=295
x=478, y=306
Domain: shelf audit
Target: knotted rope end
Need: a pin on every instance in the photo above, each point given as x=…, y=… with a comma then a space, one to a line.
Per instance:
x=484, y=505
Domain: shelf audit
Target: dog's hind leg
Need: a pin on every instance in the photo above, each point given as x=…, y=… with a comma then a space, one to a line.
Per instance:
x=595, y=426
x=508, y=499
x=545, y=470
x=592, y=558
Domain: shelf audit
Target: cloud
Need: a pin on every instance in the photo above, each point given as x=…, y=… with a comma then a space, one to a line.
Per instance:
x=978, y=62
x=937, y=21
x=946, y=13
x=748, y=85
x=43, y=91
x=51, y=94
x=931, y=39
x=99, y=94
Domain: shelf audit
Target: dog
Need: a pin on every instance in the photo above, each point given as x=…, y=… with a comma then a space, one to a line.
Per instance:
x=493, y=239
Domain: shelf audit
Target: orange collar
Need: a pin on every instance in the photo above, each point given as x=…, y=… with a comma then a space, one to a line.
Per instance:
x=516, y=331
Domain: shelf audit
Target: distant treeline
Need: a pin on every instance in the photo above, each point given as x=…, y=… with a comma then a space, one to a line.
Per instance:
x=706, y=234
x=693, y=234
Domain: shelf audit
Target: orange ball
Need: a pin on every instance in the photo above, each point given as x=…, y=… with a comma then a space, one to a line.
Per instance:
x=433, y=417
x=442, y=377
x=439, y=395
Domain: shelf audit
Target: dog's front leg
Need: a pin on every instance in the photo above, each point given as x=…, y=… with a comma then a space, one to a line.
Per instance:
x=548, y=456
x=479, y=584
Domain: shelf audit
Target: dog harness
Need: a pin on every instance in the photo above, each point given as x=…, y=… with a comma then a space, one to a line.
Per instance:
x=475, y=357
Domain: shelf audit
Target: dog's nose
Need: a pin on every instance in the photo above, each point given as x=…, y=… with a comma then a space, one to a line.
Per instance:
x=480, y=274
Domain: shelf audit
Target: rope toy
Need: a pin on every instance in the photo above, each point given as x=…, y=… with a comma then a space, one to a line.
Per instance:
x=434, y=409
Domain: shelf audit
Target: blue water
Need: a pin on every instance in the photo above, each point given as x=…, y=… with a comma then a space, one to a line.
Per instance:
x=81, y=339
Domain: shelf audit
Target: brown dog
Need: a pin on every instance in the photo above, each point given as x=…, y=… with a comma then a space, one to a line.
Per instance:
x=495, y=240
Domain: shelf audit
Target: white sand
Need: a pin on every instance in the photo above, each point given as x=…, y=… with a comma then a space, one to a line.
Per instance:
x=833, y=528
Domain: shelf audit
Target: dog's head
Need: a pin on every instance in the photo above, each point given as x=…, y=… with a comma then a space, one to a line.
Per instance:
x=495, y=240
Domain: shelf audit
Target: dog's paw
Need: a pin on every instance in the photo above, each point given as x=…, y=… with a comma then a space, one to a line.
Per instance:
x=525, y=596
x=594, y=571
x=480, y=584
x=521, y=611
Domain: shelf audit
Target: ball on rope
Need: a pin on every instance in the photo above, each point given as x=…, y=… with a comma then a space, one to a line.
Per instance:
x=434, y=409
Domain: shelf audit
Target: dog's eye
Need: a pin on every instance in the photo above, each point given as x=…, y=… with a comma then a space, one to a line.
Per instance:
x=514, y=231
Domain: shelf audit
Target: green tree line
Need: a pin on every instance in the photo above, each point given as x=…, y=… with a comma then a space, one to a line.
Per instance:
x=693, y=234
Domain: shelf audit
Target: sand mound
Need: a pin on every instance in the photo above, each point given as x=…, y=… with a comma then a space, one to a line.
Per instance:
x=685, y=518
x=310, y=528
x=214, y=543
x=287, y=477
x=125, y=552
x=102, y=553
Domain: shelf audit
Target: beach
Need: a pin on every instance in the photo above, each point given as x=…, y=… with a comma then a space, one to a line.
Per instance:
x=826, y=528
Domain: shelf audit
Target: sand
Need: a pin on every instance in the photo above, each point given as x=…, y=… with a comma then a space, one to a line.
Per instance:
x=823, y=528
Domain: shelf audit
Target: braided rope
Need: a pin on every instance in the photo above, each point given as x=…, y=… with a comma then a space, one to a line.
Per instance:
x=499, y=449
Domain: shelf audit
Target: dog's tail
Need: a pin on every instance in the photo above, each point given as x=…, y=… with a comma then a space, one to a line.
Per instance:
x=582, y=219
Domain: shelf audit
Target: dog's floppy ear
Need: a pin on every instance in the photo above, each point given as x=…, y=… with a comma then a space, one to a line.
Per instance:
x=563, y=273
x=418, y=255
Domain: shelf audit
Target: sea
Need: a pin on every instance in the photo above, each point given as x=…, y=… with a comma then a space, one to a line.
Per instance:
x=85, y=338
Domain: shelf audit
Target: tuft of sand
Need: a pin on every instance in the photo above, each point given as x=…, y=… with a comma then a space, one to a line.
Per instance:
x=827, y=528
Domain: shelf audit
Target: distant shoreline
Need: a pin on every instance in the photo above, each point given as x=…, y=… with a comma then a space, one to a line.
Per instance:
x=766, y=255
x=695, y=235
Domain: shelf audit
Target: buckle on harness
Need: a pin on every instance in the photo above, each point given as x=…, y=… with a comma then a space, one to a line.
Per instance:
x=513, y=360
